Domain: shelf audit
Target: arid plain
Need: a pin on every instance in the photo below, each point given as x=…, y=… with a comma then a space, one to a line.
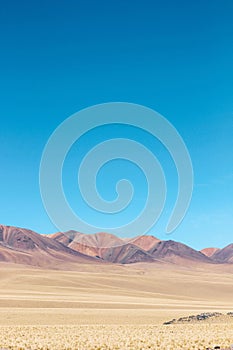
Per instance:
x=106, y=306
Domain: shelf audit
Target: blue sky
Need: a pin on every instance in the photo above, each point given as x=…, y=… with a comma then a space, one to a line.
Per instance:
x=176, y=57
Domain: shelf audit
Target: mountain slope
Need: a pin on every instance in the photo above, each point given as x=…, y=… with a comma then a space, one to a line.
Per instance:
x=103, y=245
x=27, y=247
x=89, y=244
x=209, y=251
x=145, y=242
x=224, y=255
x=125, y=254
x=139, y=249
x=24, y=246
x=176, y=252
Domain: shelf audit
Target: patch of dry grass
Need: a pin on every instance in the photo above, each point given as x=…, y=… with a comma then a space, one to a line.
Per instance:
x=116, y=337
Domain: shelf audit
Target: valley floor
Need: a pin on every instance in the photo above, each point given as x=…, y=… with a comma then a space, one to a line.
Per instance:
x=113, y=307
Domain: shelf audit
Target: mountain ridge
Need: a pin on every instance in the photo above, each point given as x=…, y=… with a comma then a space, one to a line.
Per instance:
x=24, y=246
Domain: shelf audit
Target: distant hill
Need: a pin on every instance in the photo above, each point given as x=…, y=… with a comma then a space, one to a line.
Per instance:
x=209, y=251
x=224, y=255
x=176, y=252
x=23, y=246
x=145, y=242
x=137, y=249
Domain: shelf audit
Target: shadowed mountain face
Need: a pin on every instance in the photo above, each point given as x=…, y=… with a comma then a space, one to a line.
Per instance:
x=177, y=252
x=125, y=254
x=27, y=247
x=24, y=246
x=224, y=255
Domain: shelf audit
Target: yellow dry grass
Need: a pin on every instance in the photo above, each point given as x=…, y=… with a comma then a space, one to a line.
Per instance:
x=116, y=337
x=113, y=307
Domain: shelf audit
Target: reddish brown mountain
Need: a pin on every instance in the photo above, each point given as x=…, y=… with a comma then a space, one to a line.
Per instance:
x=176, y=252
x=224, y=255
x=27, y=247
x=90, y=244
x=145, y=242
x=125, y=254
x=139, y=249
x=209, y=251
x=103, y=245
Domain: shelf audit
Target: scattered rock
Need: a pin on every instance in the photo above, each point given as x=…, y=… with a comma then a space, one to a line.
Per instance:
x=194, y=318
x=170, y=322
x=199, y=318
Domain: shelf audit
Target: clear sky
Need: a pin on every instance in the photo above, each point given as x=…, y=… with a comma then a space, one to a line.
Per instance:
x=176, y=57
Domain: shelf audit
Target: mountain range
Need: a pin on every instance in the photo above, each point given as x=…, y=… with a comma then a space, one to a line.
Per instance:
x=24, y=246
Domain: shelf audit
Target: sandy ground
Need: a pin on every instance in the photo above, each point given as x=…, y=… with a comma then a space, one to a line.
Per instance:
x=112, y=307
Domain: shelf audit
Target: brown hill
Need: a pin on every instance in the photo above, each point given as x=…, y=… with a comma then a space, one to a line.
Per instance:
x=27, y=247
x=176, y=252
x=89, y=244
x=145, y=242
x=125, y=254
x=100, y=239
x=24, y=246
x=224, y=255
x=209, y=251
x=139, y=249
x=103, y=245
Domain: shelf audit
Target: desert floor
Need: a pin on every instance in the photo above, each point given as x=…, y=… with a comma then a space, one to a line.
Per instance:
x=113, y=307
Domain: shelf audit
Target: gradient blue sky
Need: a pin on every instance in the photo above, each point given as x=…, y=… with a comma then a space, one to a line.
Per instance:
x=176, y=57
